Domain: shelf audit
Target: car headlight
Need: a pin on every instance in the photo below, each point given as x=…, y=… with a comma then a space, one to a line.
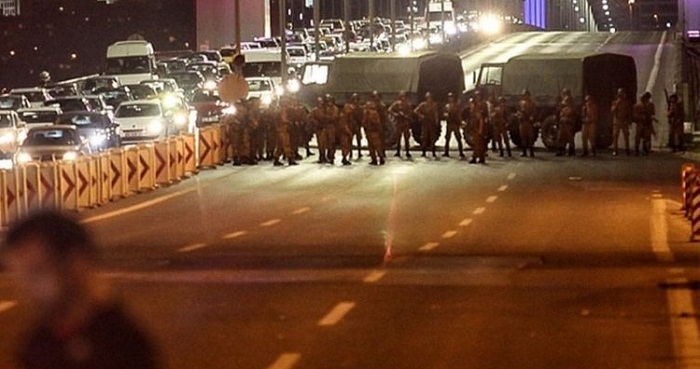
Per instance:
x=266, y=100
x=293, y=85
x=7, y=138
x=23, y=158
x=155, y=127
x=170, y=101
x=210, y=85
x=180, y=119
x=279, y=90
x=70, y=156
x=98, y=139
x=231, y=110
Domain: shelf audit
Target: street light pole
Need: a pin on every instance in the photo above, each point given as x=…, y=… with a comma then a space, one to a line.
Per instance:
x=371, y=24
x=283, y=37
x=317, y=37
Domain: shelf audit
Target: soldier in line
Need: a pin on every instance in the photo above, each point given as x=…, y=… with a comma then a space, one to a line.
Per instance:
x=452, y=114
x=284, y=145
x=331, y=114
x=526, y=117
x=357, y=125
x=382, y=110
x=676, y=116
x=269, y=130
x=427, y=112
x=298, y=133
x=252, y=129
x=240, y=147
x=499, y=124
x=371, y=122
x=401, y=110
x=622, y=117
x=644, y=114
x=317, y=119
x=478, y=115
x=590, y=114
x=567, y=121
x=346, y=122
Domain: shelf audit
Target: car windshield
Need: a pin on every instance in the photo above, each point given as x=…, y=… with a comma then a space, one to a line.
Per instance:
x=138, y=110
x=69, y=104
x=39, y=116
x=5, y=120
x=52, y=137
x=9, y=102
x=259, y=85
x=296, y=52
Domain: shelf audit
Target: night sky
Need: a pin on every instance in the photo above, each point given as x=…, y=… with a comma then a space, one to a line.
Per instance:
x=69, y=38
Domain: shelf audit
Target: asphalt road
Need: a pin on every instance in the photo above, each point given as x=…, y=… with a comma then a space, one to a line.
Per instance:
x=544, y=262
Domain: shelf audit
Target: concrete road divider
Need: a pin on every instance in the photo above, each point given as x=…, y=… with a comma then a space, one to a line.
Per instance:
x=146, y=167
x=68, y=183
x=688, y=174
x=189, y=153
x=104, y=189
x=208, y=147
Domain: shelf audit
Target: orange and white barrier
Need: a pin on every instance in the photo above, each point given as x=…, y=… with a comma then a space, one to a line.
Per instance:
x=688, y=174
x=162, y=162
x=118, y=174
x=104, y=189
x=12, y=204
x=208, y=147
x=189, y=155
x=146, y=164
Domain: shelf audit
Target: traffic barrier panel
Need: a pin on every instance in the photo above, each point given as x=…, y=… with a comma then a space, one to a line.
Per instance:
x=161, y=163
x=225, y=142
x=207, y=148
x=86, y=182
x=132, y=168
x=146, y=172
x=688, y=174
x=180, y=172
x=32, y=184
x=68, y=185
x=104, y=189
x=118, y=174
x=695, y=210
x=13, y=203
x=49, y=185
x=190, y=153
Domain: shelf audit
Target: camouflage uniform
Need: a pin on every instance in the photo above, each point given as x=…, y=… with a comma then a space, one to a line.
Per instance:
x=526, y=125
x=401, y=110
x=591, y=117
x=567, y=121
x=622, y=117
x=427, y=112
x=371, y=122
x=453, y=119
x=284, y=145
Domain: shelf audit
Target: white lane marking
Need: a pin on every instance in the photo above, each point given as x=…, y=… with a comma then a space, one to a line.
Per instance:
x=491, y=199
x=465, y=222
x=511, y=176
x=684, y=326
x=480, y=210
x=137, y=207
x=301, y=210
x=337, y=314
x=659, y=231
x=235, y=235
x=449, y=234
x=7, y=305
x=502, y=188
x=657, y=63
x=195, y=246
x=374, y=276
x=429, y=246
x=604, y=42
x=657, y=196
x=270, y=222
x=286, y=361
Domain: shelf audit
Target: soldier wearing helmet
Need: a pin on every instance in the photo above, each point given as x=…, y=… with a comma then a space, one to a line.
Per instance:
x=44, y=78
x=316, y=119
x=676, y=115
x=499, y=122
x=401, y=111
x=590, y=114
x=346, y=123
x=567, y=122
x=478, y=126
x=526, y=117
x=644, y=116
x=372, y=125
x=284, y=145
x=427, y=112
x=452, y=115
x=357, y=124
x=329, y=130
x=622, y=117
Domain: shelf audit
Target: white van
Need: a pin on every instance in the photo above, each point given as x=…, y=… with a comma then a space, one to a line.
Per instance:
x=263, y=63
x=131, y=61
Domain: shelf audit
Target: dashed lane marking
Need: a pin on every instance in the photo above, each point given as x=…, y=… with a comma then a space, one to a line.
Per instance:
x=337, y=314
x=684, y=327
x=491, y=199
x=511, y=176
x=374, y=276
x=7, y=305
x=301, y=210
x=429, y=246
x=270, y=223
x=286, y=361
x=193, y=247
x=465, y=222
x=659, y=231
x=235, y=235
x=480, y=210
x=502, y=188
x=449, y=234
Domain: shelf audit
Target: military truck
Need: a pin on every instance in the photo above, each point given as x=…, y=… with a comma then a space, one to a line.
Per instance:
x=546, y=75
x=386, y=73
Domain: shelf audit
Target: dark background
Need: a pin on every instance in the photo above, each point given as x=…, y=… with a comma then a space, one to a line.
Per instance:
x=49, y=32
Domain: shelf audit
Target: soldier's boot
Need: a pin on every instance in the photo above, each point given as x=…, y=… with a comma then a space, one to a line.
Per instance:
x=277, y=163
x=293, y=162
x=532, y=152
x=524, y=154
x=500, y=152
x=398, y=153
x=408, y=153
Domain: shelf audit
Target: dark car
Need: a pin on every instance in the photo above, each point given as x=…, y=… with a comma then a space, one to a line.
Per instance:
x=189, y=81
x=14, y=102
x=52, y=143
x=100, y=130
x=71, y=103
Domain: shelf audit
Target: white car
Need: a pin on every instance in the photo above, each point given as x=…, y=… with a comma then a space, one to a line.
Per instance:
x=296, y=56
x=144, y=120
x=38, y=117
x=263, y=88
x=36, y=95
x=13, y=131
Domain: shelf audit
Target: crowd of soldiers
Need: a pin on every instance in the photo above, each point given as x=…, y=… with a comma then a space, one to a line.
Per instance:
x=283, y=132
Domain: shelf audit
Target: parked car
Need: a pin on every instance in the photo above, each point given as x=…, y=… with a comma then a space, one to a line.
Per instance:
x=14, y=102
x=36, y=95
x=100, y=130
x=13, y=131
x=210, y=108
x=146, y=120
x=52, y=143
x=190, y=81
x=37, y=117
x=115, y=96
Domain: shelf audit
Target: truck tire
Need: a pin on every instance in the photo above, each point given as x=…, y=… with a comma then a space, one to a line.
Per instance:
x=514, y=130
x=549, y=132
